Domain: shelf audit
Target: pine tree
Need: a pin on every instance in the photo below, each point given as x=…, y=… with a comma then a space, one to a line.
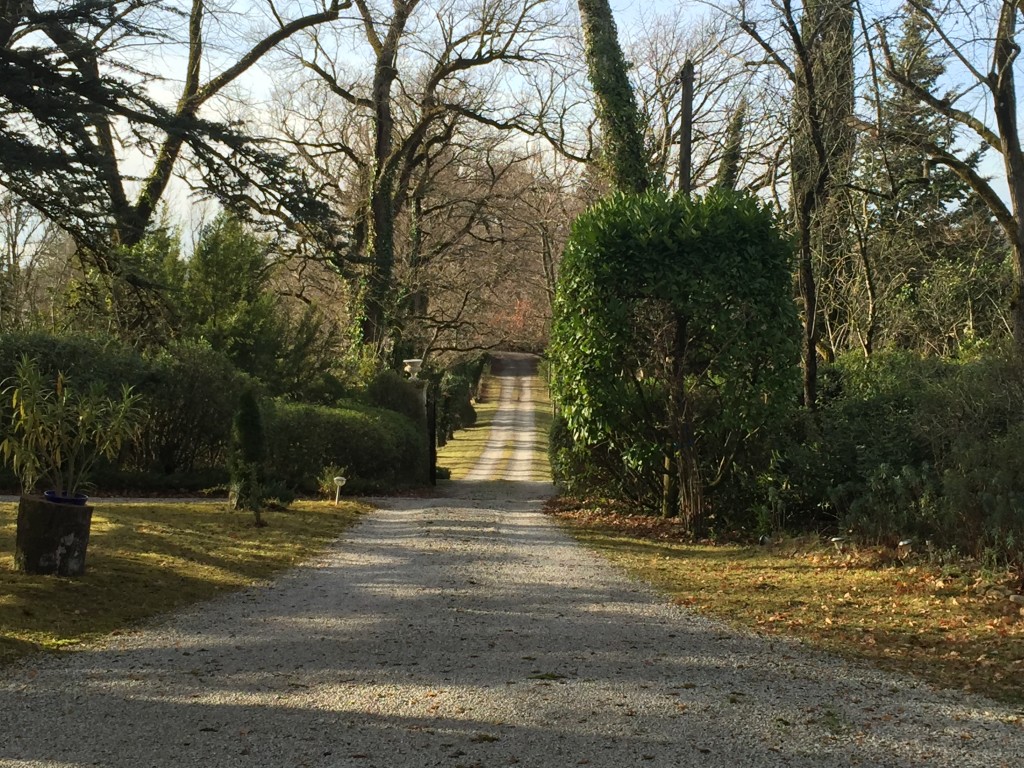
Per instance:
x=934, y=250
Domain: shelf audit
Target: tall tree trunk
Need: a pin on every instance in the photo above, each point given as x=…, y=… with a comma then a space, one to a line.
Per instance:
x=1004, y=90
x=621, y=127
x=379, y=298
x=809, y=295
x=822, y=147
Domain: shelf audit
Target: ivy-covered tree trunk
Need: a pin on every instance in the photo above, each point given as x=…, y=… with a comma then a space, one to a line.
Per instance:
x=621, y=127
x=376, y=326
x=729, y=166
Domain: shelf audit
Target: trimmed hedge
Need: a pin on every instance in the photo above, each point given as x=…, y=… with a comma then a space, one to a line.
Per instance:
x=378, y=448
x=190, y=394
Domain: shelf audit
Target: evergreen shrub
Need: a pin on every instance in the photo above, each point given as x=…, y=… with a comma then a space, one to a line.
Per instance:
x=246, y=456
x=921, y=447
x=381, y=449
x=391, y=390
x=675, y=337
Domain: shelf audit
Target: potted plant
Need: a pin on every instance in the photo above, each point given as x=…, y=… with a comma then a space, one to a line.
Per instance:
x=54, y=438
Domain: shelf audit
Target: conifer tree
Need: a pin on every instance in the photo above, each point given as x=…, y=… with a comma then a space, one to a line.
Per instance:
x=246, y=457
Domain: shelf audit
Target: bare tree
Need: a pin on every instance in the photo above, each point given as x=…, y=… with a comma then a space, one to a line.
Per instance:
x=813, y=45
x=433, y=67
x=658, y=50
x=32, y=248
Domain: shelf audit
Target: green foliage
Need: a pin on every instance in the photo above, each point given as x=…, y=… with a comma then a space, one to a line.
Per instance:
x=381, y=449
x=326, y=484
x=596, y=471
x=931, y=268
x=56, y=433
x=228, y=302
x=191, y=392
x=909, y=446
x=391, y=390
x=455, y=410
x=621, y=124
x=674, y=326
x=90, y=359
x=245, y=460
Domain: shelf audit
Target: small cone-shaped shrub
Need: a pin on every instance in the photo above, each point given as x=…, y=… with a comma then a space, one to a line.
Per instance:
x=246, y=460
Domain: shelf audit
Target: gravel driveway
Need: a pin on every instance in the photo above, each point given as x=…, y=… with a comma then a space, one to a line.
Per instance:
x=470, y=631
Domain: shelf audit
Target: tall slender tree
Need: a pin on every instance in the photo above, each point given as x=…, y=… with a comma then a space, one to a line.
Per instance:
x=622, y=133
x=820, y=36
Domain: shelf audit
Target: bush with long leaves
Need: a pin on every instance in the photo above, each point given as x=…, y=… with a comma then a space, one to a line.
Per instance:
x=56, y=433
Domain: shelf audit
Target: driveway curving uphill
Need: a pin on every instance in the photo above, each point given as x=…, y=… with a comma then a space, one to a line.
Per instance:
x=469, y=631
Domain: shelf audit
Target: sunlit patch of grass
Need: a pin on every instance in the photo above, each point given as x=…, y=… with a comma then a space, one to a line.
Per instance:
x=146, y=559
x=950, y=625
x=540, y=467
x=462, y=452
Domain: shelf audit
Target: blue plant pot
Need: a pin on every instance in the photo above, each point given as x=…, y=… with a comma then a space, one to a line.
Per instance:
x=77, y=500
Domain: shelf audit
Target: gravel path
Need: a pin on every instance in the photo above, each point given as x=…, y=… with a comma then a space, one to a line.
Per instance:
x=471, y=632
x=512, y=441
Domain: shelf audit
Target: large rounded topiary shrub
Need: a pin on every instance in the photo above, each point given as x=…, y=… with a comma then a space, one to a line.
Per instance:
x=675, y=341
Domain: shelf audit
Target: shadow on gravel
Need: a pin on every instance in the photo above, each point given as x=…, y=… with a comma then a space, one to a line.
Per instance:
x=437, y=636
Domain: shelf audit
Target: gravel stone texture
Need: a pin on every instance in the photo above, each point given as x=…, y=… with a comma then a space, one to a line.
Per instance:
x=470, y=632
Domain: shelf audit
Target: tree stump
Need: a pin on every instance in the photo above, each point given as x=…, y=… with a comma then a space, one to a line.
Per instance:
x=51, y=538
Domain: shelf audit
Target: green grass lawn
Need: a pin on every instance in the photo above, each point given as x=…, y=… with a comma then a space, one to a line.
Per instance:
x=146, y=559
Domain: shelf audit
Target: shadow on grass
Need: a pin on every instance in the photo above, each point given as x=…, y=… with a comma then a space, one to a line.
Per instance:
x=148, y=559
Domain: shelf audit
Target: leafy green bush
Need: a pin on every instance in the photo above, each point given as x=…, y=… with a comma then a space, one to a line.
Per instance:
x=191, y=393
x=391, y=390
x=675, y=337
x=57, y=433
x=90, y=360
x=906, y=446
x=380, y=448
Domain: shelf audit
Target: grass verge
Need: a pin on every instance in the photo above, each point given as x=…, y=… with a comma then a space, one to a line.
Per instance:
x=146, y=559
x=949, y=624
x=460, y=454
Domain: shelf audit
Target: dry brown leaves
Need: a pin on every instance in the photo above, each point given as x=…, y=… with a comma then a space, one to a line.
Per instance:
x=948, y=623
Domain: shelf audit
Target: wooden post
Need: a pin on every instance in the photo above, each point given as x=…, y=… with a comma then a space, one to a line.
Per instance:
x=686, y=130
